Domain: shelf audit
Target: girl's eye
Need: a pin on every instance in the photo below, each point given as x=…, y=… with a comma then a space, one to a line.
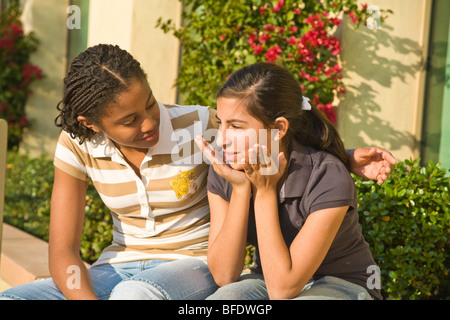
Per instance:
x=235, y=127
x=152, y=104
x=130, y=123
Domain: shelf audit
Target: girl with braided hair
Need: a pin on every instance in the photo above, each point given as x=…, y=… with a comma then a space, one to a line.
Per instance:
x=117, y=135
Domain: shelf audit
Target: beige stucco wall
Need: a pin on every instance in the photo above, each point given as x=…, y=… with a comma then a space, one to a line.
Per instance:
x=384, y=70
x=130, y=24
x=47, y=18
x=157, y=52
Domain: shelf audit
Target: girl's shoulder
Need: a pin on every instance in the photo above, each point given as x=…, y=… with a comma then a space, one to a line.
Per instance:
x=94, y=146
x=186, y=115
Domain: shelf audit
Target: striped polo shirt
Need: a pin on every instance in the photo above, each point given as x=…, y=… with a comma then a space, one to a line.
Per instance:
x=163, y=214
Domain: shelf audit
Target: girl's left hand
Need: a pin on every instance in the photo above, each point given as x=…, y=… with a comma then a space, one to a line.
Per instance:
x=371, y=163
x=263, y=171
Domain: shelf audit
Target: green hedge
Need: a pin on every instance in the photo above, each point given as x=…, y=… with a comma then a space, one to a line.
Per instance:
x=405, y=220
x=29, y=183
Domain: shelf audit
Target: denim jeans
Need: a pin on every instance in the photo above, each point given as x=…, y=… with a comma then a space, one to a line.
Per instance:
x=253, y=287
x=148, y=279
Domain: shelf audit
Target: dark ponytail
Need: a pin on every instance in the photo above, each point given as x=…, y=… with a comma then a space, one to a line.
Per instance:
x=94, y=80
x=270, y=91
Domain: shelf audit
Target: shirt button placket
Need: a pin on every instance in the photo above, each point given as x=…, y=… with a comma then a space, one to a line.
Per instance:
x=146, y=211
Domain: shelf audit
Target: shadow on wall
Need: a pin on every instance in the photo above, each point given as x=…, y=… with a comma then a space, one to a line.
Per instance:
x=49, y=25
x=364, y=123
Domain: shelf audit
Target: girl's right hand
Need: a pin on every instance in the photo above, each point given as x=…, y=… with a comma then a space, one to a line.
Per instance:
x=235, y=177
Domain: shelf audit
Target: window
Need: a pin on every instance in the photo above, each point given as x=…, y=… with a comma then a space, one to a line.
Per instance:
x=436, y=125
x=78, y=38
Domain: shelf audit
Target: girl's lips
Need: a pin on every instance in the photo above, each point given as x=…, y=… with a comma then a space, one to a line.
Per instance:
x=151, y=136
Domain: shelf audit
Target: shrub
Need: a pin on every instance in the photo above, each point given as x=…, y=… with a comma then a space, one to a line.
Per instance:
x=28, y=189
x=219, y=39
x=29, y=184
x=17, y=73
x=406, y=222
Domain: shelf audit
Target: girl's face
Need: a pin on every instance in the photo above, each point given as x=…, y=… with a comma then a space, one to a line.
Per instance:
x=238, y=131
x=132, y=120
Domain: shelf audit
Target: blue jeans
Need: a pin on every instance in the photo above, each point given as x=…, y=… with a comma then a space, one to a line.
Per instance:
x=252, y=287
x=148, y=279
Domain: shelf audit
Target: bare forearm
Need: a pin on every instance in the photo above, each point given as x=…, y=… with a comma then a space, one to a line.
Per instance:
x=226, y=253
x=275, y=256
x=71, y=275
x=287, y=270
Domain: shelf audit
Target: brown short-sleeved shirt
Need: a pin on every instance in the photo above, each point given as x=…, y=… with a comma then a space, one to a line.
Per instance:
x=316, y=180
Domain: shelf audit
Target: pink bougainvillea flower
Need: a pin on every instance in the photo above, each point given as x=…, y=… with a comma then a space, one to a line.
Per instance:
x=7, y=43
x=336, y=21
x=264, y=38
x=328, y=110
x=273, y=53
x=257, y=48
x=269, y=27
x=278, y=6
x=31, y=72
x=16, y=30
x=292, y=40
x=252, y=38
x=23, y=121
x=354, y=19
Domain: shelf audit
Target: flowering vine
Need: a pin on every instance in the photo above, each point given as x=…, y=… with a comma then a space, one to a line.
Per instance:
x=17, y=73
x=300, y=35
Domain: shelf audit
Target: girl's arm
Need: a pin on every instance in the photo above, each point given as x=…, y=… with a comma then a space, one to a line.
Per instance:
x=66, y=223
x=228, y=234
x=287, y=270
x=229, y=221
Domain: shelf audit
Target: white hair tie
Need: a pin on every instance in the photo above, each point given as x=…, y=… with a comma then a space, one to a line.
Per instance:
x=305, y=104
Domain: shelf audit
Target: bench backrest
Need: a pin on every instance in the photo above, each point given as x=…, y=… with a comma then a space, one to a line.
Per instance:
x=3, y=147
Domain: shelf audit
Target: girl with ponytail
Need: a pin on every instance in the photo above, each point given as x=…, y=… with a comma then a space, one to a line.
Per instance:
x=302, y=218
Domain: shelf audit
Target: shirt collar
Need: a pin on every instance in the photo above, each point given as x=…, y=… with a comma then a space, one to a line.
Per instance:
x=104, y=147
x=167, y=144
x=299, y=171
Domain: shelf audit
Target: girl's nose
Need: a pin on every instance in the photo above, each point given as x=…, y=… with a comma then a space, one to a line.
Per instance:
x=148, y=124
x=221, y=139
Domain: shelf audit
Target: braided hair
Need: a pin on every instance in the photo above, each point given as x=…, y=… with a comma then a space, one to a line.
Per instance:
x=95, y=78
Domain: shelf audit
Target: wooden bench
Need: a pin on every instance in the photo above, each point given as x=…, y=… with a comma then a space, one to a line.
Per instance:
x=23, y=257
x=3, y=148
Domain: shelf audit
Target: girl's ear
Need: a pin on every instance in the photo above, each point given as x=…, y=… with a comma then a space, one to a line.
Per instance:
x=282, y=124
x=88, y=124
